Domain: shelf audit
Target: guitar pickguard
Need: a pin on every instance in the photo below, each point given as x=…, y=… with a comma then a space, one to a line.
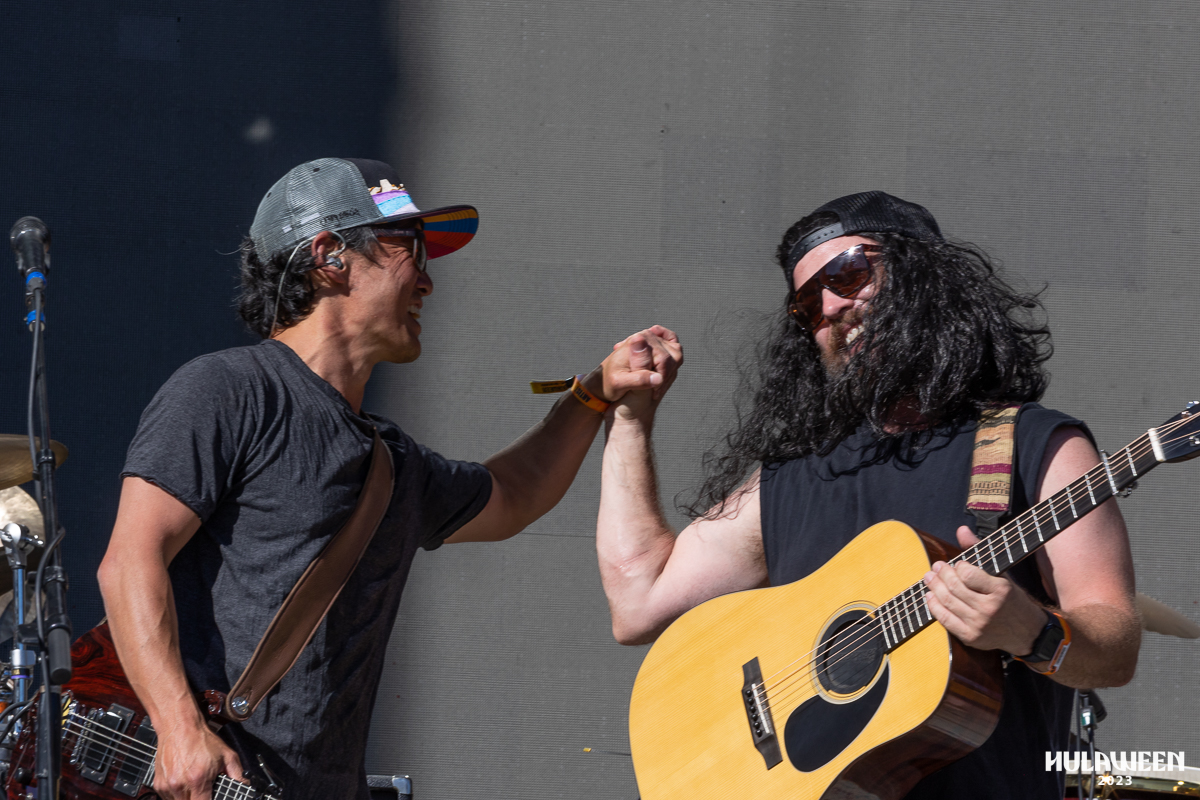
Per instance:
x=818, y=731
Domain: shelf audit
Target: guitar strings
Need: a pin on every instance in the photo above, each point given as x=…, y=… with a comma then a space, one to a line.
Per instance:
x=908, y=602
x=105, y=736
x=139, y=754
x=82, y=722
x=910, y=605
x=911, y=598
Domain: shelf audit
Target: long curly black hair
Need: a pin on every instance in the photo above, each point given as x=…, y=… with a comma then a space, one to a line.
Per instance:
x=945, y=337
x=261, y=281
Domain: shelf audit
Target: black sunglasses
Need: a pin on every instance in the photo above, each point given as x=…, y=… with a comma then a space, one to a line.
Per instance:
x=420, y=258
x=844, y=274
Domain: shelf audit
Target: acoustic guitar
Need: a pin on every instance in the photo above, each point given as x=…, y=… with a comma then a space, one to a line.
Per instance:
x=108, y=742
x=841, y=685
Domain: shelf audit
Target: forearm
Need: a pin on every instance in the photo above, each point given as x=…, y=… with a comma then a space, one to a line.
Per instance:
x=1104, y=647
x=535, y=471
x=141, y=616
x=633, y=539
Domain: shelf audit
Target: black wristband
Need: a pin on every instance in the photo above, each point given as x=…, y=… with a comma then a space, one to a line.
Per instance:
x=1045, y=646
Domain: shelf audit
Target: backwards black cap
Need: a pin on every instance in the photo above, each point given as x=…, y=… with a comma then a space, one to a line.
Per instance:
x=867, y=212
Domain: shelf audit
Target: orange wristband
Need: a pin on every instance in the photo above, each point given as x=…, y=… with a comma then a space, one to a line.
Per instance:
x=584, y=396
x=575, y=386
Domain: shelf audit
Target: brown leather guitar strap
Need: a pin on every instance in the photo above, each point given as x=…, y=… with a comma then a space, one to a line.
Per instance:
x=989, y=496
x=312, y=596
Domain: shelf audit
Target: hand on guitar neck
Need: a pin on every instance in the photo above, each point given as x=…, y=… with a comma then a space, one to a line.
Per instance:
x=983, y=611
x=189, y=760
x=1087, y=570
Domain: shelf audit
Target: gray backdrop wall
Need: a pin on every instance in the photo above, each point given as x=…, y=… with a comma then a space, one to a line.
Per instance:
x=633, y=162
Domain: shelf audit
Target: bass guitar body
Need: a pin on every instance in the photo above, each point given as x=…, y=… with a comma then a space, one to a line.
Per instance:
x=785, y=693
x=114, y=757
x=108, y=743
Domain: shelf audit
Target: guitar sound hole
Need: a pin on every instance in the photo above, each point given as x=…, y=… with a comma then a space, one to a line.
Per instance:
x=850, y=653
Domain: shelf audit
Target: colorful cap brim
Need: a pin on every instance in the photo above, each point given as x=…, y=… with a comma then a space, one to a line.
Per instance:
x=446, y=229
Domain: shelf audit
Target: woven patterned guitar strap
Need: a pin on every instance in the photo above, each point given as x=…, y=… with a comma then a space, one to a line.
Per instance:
x=989, y=496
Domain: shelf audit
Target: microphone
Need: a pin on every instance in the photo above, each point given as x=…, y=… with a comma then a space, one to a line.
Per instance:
x=30, y=239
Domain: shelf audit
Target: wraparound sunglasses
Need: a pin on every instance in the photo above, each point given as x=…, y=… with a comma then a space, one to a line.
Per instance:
x=844, y=274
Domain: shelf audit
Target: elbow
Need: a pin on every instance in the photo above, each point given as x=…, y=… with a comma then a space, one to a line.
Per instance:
x=1124, y=663
x=1124, y=677
x=1112, y=677
x=1122, y=669
x=1113, y=666
x=629, y=631
x=628, y=636
x=108, y=576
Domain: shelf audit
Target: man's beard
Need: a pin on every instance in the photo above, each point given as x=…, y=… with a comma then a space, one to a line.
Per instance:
x=839, y=353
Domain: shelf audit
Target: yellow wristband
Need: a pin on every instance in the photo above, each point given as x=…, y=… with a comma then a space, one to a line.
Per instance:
x=575, y=385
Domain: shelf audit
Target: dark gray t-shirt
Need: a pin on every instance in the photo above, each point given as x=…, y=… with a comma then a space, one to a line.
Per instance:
x=272, y=459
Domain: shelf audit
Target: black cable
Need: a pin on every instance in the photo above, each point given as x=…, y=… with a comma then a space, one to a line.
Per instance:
x=17, y=712
x=37, y=590
x=1078, y=724
x=1091, y=747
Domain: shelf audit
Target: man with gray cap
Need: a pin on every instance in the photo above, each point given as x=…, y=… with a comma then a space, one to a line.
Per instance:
x=248, y=461
x=892, y=345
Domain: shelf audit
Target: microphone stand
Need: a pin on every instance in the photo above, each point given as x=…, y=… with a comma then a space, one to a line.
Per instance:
x=52, y=634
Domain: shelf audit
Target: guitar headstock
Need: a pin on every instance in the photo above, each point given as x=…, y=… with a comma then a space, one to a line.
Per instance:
x=1179, y=437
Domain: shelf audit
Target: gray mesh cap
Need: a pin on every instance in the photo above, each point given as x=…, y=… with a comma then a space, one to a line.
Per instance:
x=333, y=194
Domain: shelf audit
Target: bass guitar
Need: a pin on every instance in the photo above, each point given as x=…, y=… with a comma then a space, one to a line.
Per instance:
x=841, y=685
x=109, y=744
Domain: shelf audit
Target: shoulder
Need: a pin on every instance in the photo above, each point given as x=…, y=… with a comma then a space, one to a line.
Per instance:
x=216, y=389
x=221, y=369
x=1048, y=440
x=1040, y=432
x=1041, y=421
x=409, y=455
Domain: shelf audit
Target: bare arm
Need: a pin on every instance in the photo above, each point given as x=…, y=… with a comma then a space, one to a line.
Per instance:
x=532, y=474
x=151, y=528
x=650, y=575
x=1088, y=569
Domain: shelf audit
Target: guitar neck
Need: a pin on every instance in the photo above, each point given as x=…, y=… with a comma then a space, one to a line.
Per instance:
x=907, y=613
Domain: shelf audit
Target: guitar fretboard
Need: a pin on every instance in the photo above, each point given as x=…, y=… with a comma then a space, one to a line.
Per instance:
x=907, y=613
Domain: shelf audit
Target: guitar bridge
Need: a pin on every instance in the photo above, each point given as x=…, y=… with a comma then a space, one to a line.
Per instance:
x=758, y=714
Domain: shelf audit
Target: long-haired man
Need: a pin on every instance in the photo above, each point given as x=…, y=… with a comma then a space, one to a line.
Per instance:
x=893, y=342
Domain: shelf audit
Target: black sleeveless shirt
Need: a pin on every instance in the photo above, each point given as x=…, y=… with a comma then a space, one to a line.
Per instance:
x=813, y=506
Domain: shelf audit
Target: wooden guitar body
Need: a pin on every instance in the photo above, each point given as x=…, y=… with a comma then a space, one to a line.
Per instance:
x=108, y=743
x=917, y=708
x=99, y=678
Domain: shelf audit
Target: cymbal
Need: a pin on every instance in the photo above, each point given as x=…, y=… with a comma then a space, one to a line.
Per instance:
x=15, y=466
x=17, y=506
x=1161, y=618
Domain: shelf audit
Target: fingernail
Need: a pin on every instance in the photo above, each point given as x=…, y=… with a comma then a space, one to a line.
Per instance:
x=655, y=379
